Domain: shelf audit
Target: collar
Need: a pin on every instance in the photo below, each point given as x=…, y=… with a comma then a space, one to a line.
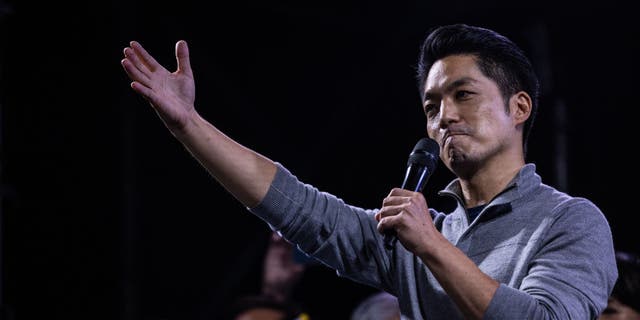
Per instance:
x=525, y=180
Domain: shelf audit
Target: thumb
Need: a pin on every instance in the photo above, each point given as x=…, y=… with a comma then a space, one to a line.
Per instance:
x=182, y=56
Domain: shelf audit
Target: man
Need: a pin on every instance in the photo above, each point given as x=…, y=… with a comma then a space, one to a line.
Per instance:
x=514, y=248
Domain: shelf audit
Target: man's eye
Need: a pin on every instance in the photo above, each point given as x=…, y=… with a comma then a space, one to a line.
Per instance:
x=463, y=94
x=430, y=109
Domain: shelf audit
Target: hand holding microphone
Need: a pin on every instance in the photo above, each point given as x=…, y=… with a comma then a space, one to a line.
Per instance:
x=423, y=160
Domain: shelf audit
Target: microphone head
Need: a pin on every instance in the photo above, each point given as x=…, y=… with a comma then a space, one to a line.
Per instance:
x=425, y=153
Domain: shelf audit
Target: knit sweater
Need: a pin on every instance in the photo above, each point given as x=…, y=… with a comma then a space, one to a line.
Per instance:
x=552, y=253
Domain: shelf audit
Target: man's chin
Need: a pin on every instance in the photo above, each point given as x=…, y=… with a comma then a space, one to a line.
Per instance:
x=462, y=166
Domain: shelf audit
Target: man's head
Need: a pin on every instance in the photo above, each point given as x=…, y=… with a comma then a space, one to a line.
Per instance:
x=262, y=307
x=497, y=57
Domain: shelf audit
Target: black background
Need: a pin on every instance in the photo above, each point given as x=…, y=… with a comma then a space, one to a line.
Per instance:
x=106, y=216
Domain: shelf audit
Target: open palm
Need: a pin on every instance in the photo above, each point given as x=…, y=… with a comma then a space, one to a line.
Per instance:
x=171, y=94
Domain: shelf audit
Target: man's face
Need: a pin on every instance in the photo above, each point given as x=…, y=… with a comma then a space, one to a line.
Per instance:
x=466, y=114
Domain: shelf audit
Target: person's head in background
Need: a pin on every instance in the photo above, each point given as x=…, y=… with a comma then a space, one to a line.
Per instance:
x=378, y=306
x=261, y=307
x=624, y=302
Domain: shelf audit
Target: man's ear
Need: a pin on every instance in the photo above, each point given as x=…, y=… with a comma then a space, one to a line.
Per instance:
x=520, y=106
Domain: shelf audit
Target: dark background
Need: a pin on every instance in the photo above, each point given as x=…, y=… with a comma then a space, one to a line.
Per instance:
x=106, y=216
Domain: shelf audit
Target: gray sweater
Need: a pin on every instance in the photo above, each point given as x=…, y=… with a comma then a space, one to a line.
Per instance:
x=552, y=253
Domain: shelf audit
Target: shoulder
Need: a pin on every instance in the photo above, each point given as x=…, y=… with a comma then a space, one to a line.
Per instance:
x=579, y=214
x=561, y=202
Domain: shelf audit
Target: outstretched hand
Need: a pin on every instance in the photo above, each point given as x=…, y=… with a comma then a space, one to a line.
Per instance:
x=171, y=94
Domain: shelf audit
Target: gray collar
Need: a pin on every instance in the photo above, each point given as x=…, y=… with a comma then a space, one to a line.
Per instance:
x=524, y=181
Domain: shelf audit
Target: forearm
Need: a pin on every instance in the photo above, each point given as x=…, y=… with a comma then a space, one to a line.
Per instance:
x=243, y=172
x=470, y=288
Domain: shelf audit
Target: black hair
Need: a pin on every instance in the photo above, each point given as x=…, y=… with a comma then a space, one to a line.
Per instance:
x=498, y=58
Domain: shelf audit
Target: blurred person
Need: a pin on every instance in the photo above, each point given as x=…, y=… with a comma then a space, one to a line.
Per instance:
x=513, y=248
x=282, y=269
x=262, y=307
x=624, y=302
x=281, y=273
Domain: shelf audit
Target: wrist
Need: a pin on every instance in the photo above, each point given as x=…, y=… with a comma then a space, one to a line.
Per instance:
x=188, y=126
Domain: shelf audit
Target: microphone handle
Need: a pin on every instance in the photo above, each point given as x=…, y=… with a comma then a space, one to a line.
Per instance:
x=416, y=178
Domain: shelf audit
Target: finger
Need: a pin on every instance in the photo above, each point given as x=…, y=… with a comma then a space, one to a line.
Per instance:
x=136, y=62
x=392, y=192
x=387, y=223
x=395, y=200
x=134, y=73
x=399, y=192
x=145, y=57
x=389, y=211
x=142, y=90
x=182, y=56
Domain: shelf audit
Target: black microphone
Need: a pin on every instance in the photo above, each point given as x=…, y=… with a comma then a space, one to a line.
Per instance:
x=423, y=160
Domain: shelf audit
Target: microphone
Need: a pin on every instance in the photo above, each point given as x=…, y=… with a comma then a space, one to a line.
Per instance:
x=423, y=160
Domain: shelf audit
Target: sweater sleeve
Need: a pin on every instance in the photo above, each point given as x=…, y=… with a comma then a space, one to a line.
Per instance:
x=341, y=236
x=572, y=274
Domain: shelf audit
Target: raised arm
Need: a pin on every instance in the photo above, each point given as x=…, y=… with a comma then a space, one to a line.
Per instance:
x=245, y=173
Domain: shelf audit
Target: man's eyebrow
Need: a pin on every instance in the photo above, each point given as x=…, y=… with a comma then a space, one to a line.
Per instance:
x=460, y=82
x=428, y=96
x=451, y=86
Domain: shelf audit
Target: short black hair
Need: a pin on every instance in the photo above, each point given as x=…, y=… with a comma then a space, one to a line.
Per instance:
x=498, y=58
